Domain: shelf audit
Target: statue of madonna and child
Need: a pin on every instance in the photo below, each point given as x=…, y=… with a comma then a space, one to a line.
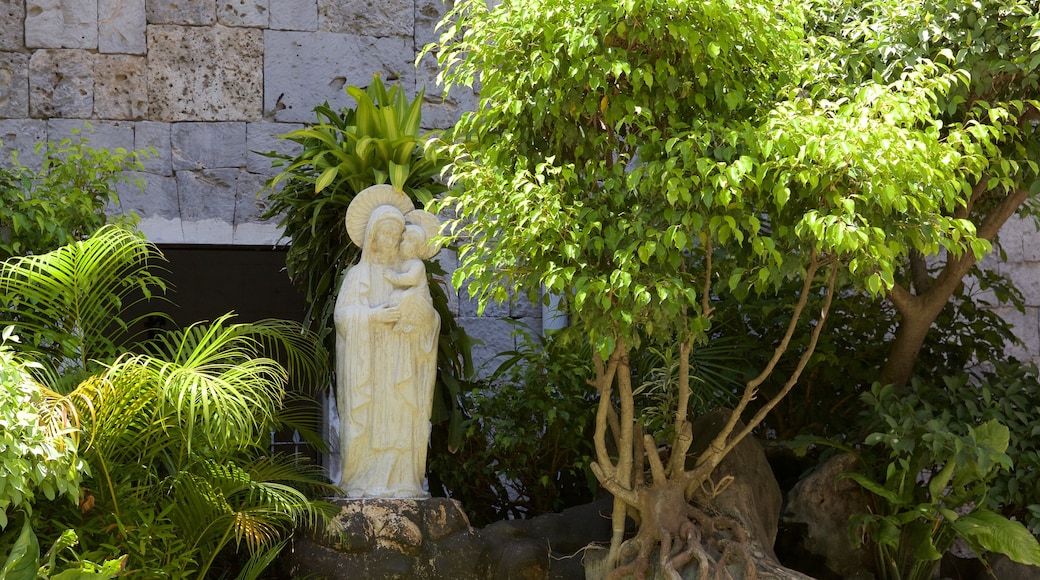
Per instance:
x=386, y=348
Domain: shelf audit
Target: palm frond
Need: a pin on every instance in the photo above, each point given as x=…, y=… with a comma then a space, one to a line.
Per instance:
x=258, y=563
x=70, y=304
x=239, y=502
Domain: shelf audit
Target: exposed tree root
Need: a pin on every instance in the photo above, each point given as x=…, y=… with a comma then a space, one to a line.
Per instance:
x=712, y=543
x=682, y=534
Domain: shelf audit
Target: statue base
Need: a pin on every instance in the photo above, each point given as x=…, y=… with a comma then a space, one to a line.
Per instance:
x=393, y=538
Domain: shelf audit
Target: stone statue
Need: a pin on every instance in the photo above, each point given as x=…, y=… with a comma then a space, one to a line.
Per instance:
x=386, y=348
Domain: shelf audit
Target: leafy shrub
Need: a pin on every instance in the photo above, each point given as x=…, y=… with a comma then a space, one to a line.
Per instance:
x=37, y=449
x=175, y=430
x=65, y=199
x=1008, y=394
x=930, y=476
x=527, y=447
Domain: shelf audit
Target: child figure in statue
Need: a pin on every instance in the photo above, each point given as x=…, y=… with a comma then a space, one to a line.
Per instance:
x=411, y=290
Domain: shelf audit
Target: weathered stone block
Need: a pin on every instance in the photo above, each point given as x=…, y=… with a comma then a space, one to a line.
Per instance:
x=61, y=23
x=428, y=14
x=158, y=199
x=61, y=84
x=264, y=137
x=122, y=26
x=155, y=137
x=1027, y=328
x=12, y=24
x=495, y=336
x=205, y=73
x=14, y=85
x=1026, y=277
x=208, y=145
x=198, y=146
x=120, y=86
x=187, y=12
x=299, y=15
x=291, y=91
x=255, y=13
x=368, y=17
x=99, y=134
x=22, y=135
x=208, y=195
x=249, y=207
x=1020, y=240
x=441, y=110
x=249, y=228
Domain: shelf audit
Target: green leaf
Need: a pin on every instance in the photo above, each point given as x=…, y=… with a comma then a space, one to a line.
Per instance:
x=24, y=559
x=876, y=488
x=327, y=177
x=993, y=532
x=399, y=175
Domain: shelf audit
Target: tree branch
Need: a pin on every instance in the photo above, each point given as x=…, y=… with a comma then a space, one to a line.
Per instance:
x=919, y=272
x=802, y=361
x=718, y=444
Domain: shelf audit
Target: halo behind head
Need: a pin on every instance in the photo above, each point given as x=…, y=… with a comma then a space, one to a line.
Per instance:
x=365, y=202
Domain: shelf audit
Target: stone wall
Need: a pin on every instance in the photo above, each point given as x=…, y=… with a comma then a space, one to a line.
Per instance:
x=1021, y=242
x=206, y=84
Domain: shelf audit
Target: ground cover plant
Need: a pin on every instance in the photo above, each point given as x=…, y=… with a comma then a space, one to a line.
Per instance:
x=654, y=161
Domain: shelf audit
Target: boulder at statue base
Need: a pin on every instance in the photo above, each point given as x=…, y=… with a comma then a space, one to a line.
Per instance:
x=421, y=539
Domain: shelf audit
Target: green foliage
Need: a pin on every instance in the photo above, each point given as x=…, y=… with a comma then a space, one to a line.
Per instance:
x=618, y=148
x=718, y=371
x=38, y=457
x=930, y=484
x=174, y=431
x=344, y=152
x=1007, y=394
x=527, y=446
x=65, y=199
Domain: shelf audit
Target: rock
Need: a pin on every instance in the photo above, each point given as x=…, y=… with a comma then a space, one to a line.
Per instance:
x=205, y=73
x=387, y=538
x=120, y=86
x=824, y=502
x=1005, y=569
x=14, y=84
x=121, y=26
x=432, y=538
x=753, y=498
x=61, y=84
x=61, y=24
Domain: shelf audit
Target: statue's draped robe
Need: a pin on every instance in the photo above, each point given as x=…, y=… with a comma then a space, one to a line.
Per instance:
x=384, y=388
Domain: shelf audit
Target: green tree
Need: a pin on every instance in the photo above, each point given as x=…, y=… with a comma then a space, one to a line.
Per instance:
x=646, y=159
x=996, y=45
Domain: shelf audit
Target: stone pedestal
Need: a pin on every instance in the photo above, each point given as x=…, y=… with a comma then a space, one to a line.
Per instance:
x=414, y=539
